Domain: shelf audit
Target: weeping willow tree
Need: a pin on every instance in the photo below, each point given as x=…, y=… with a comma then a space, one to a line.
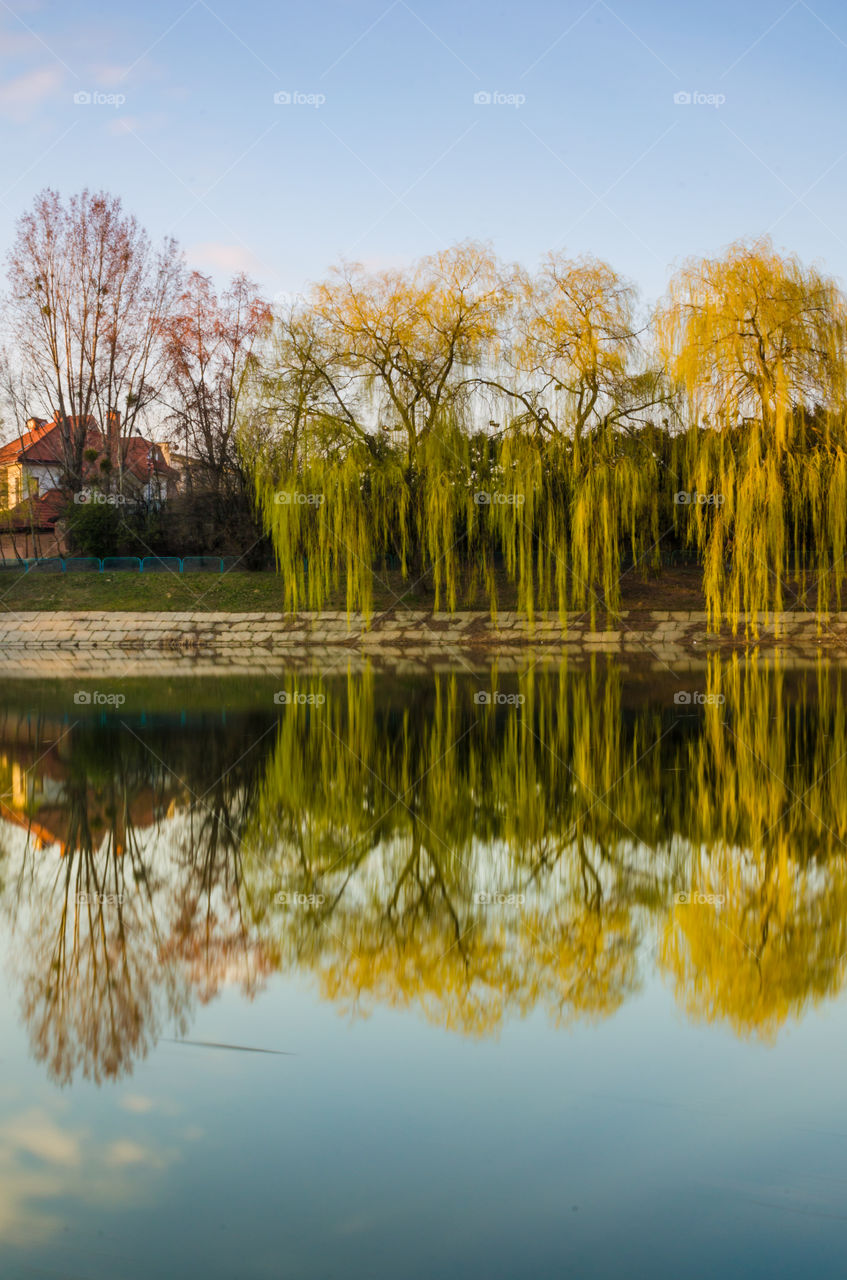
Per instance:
x=377, y=444
x=756, y=341
x=462, y=421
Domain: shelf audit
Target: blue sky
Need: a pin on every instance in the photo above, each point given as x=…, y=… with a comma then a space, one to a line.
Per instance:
x=586, y=150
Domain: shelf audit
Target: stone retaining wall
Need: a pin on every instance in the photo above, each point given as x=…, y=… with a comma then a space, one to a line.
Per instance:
x=665, y=637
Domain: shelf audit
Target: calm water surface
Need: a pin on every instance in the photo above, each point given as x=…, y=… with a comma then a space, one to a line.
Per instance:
x=448, y=975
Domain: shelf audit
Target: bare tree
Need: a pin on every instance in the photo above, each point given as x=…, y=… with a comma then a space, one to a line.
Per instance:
x=211, y=343
x=89, y=296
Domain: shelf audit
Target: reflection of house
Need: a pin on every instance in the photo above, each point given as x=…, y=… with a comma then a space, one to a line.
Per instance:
x=32, y=470
x=40, y=794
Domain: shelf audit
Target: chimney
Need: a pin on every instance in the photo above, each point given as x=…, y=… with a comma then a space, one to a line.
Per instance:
x=113, y=441
x=165, y=447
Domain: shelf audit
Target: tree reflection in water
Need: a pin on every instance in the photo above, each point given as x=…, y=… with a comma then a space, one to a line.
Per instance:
x=124, y=892
x=410, y=846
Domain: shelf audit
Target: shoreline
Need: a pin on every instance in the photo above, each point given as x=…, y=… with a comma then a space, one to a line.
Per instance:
x=399, y=639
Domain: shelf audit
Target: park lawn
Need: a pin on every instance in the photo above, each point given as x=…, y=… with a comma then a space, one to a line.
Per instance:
x=245, y=592
x=232, y=592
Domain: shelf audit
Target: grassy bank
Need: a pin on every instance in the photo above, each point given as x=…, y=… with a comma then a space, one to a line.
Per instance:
x=262, y=592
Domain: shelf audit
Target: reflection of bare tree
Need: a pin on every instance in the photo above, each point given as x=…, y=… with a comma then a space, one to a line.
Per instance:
x=101, y=973
x=88, y=945
x=94, y=984
x=211, y=936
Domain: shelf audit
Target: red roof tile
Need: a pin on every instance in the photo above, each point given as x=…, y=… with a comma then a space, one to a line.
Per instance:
x=43, y=446
x=11, y=452
x=35, y=513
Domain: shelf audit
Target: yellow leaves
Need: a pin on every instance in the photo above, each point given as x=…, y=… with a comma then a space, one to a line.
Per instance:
x=579, y=806
x=757, y=343
x=754, y=335
x=385, y=379
x=411, y=332
x=773, y=944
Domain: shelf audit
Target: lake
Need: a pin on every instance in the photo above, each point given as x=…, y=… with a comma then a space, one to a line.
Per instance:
x=535, y=974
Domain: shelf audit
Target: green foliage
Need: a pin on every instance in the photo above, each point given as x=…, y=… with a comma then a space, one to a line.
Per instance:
x=368, y=448
x=94, y=529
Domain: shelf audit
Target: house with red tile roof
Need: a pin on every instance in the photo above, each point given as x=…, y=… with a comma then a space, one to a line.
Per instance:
x=33, y=492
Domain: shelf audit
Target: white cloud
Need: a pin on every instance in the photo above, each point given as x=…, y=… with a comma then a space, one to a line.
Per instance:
x=138, y=1104
x=225, y=257
x=124, y=1152
x=20, y=98
x=39, y=1135
x=109, y=75
x=40, y=1166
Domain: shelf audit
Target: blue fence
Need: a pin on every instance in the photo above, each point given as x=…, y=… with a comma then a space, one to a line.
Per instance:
x=124, y=564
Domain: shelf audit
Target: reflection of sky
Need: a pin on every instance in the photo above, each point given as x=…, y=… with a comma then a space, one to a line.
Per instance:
x=386, y=1147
